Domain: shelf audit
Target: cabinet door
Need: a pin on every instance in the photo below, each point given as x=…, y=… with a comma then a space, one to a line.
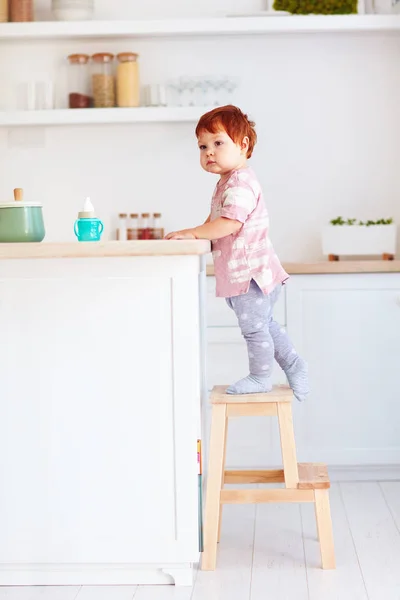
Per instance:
x=348, y=329
x=99, y=374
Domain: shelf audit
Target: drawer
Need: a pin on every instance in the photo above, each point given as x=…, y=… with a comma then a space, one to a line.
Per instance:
x=218, y=313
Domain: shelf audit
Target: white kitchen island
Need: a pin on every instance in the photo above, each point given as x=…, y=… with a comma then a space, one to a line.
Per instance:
x=100, y=392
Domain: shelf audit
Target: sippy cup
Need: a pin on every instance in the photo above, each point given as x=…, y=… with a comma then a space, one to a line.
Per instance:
x=87, y=227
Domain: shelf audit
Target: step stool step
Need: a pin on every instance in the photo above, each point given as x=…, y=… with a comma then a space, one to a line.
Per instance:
x=312, y=476
x=279, y=393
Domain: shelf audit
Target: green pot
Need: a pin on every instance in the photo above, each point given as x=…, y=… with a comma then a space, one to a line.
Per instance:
x=21, y=222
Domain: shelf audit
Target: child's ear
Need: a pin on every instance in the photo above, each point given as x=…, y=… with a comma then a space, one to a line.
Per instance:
x=245, y=144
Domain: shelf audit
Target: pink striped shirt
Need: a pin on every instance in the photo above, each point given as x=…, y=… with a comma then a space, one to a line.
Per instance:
x=247, y=254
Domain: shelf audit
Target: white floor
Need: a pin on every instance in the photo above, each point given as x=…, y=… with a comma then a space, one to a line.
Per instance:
x=270, y=551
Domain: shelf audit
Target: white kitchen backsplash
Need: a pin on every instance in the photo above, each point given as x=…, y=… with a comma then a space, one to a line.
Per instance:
x=326, y=111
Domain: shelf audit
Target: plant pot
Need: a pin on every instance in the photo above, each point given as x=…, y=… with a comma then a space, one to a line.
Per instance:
x=21, y=221
x=359, y=240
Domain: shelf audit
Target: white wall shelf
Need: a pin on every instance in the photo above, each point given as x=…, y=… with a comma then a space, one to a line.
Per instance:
x=93, y=116
x=199, y=27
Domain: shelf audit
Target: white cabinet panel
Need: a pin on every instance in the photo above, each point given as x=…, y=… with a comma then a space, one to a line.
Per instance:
x=348, y=328
x=99, y=413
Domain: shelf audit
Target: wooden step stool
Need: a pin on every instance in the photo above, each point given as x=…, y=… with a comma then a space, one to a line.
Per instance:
x=308, y=482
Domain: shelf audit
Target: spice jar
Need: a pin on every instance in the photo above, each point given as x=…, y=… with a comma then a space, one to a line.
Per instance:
x=133, y=233
x=103, y=84
x=79, y=82
x=128, y=90
x=3, y=11
x=157, y=232
x=121, y=231
x=21, y=10
x=144, y=229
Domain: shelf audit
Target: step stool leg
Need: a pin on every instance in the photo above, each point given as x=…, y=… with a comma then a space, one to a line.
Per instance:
x=324, y=526
x=214, y=481
x=288, y=444
x=221, y=506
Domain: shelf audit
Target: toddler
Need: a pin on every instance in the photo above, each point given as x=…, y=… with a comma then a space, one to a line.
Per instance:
x=247, y=270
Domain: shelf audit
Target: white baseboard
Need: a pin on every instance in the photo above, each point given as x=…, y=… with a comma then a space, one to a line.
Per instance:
x=25, y=574
x=364, y=472
x=389, y=472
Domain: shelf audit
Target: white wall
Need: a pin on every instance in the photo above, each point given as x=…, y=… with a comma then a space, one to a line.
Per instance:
x=327, y=109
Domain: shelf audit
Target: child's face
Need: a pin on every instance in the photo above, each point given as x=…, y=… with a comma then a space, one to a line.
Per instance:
x=219, y=154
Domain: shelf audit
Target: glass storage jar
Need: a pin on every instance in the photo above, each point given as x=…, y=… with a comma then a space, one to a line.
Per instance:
x=103, y=81
x=133, y=231
x=157, y=232
x=128, y=90
x=72, y=10
x=21, y=10
x=3, y=11
x=144, y=228
x=79, y=81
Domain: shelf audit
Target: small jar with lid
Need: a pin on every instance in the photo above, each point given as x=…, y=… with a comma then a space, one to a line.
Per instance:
x=144, y=229
x=133, y=231
x=79, y=81
x=122, y=231
x=21, y=10
x=103, y=81
x=128, y=86
x=157, y=231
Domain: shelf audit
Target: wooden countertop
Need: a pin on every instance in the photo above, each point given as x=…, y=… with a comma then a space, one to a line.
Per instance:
x=105, y=249
x=317, y=268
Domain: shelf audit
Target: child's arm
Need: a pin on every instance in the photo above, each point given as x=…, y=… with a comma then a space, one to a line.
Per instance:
x=211, y=230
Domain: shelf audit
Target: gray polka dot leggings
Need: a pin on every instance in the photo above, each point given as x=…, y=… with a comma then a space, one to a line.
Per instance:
x=265, y=338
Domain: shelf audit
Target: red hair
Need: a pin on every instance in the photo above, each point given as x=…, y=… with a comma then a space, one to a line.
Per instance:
x=230, y=119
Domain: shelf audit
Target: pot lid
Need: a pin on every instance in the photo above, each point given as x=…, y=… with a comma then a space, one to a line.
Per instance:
x=19, y=201
x=20, y=204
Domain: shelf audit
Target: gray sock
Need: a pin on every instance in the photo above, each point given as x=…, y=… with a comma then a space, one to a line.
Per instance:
x=294, y=367
x=297, y=376
x=252, y=384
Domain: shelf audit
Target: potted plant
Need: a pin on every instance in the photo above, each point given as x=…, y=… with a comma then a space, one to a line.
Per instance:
x=359, y=238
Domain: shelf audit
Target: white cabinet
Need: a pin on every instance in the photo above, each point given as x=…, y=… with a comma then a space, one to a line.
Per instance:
x=99, y=418
x=348, y=328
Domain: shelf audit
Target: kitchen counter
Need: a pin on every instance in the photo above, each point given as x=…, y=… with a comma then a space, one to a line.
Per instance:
x=101, y=371
x=321, y=268
x=105, y=249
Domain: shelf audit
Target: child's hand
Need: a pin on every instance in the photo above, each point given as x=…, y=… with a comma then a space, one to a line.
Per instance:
x=184, y=234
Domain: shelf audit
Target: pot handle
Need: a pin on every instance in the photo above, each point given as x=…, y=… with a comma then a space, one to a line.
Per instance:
x=76, y=229
x=101, y=227
x=18, y=195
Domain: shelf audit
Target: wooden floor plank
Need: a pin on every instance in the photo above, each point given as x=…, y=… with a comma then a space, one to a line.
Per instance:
x=376, y=538
x=346, y=582
x=231, y=580
x=391, y=492
x=278, y=566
